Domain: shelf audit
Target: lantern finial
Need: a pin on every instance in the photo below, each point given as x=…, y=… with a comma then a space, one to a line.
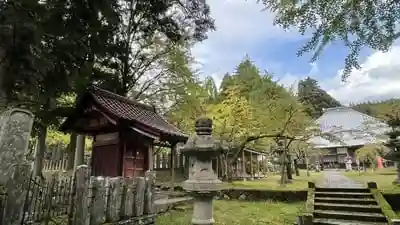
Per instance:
x=203, y=126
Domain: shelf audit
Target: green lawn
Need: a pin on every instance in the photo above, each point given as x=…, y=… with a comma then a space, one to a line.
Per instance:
x=240, y=213
x=383, y=177
x=272, y=182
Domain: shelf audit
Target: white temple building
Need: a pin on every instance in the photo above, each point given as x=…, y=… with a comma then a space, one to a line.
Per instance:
x=344, y=130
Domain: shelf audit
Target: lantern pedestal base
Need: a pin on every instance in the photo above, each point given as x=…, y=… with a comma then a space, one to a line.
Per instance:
x=203, y=210
x=397, y=180
x=202, y=186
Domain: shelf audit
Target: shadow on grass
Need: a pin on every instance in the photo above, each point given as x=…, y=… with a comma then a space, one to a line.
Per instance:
x=388, y=173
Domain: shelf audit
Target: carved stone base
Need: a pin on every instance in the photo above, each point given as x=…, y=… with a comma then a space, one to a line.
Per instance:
x=203, y=210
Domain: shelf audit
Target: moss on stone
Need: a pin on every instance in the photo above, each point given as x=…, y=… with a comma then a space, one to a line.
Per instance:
x=386, y=208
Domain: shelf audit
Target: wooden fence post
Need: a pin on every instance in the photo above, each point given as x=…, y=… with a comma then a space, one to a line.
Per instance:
x=129, y=197
x=123, y=194
x=114, y=199
x=97, y=203
x=82, y=191
x=150, y=177
x=139, y=196
x=16, y=194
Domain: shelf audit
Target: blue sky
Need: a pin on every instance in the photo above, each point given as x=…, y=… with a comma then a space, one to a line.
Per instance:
x=242, y=28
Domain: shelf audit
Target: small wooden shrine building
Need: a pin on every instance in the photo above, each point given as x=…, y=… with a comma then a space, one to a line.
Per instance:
x=124, y=132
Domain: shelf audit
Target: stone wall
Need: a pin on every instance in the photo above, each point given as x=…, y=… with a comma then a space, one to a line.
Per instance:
x=393, y=200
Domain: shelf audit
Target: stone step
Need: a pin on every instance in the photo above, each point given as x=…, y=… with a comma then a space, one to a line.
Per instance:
x=324, y=221
x=353, y=216
x=163, y=205
x=347, y=207
x=357, y=190
x=356, y=201
x=344, y=194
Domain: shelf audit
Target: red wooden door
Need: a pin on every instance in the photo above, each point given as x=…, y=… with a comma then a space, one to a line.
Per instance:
x=134, y=163
x=105, y=161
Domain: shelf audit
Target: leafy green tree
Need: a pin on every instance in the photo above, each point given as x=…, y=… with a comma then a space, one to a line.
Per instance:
x=358, y=24
x=185, y=96
x=314, y=98
x=255, y=111
x=233, y=122
x=148, y=32
x=379, y=109
x=368, y=154
x=68, y=42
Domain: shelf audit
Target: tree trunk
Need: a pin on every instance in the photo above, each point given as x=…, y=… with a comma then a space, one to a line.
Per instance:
x=71, y=151
x=80, y=151
x=40, y=150
x=224, y=171
x=229, y=170
x=3, y=94
x=283, y=167
x=307, y=167
x=296, y=167
x=289, y=168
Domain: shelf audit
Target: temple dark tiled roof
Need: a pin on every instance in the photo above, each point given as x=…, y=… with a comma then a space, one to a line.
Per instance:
x=133, y=111
x=349, y=126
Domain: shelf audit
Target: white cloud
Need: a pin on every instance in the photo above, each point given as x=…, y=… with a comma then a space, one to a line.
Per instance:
x=291, y=81
x=242, y=27
x=378, y=79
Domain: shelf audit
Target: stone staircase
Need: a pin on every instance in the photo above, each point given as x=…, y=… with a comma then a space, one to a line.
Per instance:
x=346, y=206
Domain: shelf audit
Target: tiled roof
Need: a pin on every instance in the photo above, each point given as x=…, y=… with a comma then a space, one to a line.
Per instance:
x=349, y=128
x=124, y=108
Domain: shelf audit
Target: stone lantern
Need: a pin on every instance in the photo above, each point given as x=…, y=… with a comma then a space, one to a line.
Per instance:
x=203, y=183
x=394, y=145
x=279, y=150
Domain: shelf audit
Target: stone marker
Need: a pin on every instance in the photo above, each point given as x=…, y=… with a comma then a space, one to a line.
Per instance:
x=203, y=183
x=394, y=145
x=15, y=131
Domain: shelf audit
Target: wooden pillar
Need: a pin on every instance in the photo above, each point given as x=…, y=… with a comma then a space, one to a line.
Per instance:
x=265, y=165
x=80, y=151
x=251, y=165
x=237, y=168
x=71, y=152
x=172, y=161
x=217, y=166
x=243, y=164
x=155, y=160
x=181, y=163
x=258, y=167
x=150, y=157
x=164, y=162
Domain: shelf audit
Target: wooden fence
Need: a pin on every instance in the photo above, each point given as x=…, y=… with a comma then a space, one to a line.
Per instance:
x=46, y=200
x=162, y=160
x=58, y=162
x=86, y=200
